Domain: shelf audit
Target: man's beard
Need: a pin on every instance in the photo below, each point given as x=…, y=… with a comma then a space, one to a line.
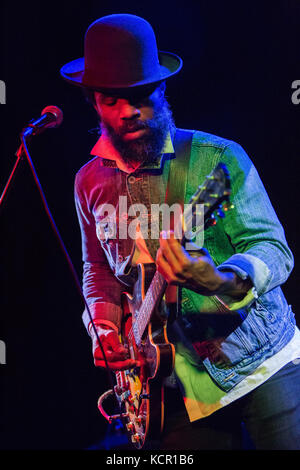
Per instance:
x=148, y=148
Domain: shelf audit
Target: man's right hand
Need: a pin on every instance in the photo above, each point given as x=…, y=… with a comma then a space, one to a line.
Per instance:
x=116, y=354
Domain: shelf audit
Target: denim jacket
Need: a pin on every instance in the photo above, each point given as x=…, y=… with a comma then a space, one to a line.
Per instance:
x=229, y=339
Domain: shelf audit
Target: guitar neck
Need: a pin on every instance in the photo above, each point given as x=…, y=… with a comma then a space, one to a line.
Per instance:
x=153, y=296
x=207, y=198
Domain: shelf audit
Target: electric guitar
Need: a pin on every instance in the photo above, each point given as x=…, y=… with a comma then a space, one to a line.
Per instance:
x=140, y=391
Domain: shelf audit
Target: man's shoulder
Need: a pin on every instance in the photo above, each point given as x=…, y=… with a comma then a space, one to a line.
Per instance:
x=88, y=166
x=209, y=149
x=206, y=139
x=206, y=146
x=89, y=170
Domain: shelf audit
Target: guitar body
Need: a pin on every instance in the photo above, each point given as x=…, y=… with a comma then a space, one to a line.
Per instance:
x=144, y=385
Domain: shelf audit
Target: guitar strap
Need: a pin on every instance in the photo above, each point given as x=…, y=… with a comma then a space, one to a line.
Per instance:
x=176, y=188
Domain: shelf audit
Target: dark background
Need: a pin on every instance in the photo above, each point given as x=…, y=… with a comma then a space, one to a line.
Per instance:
x=240, y=59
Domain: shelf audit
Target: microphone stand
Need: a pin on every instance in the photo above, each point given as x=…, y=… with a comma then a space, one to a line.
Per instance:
x=23, y=154
x=27, y=132
x=20, y=158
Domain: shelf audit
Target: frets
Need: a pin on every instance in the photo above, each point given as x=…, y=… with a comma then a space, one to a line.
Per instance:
x=154, y=293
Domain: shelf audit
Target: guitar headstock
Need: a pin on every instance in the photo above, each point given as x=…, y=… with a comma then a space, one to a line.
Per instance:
x=212, y=196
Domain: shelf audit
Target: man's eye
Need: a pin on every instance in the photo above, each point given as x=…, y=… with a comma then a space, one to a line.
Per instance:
x=110, y=101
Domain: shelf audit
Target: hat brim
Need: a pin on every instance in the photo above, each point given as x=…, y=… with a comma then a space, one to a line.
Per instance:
x=170, y=64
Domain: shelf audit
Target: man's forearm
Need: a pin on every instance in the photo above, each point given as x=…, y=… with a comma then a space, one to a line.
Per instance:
x=233, y=285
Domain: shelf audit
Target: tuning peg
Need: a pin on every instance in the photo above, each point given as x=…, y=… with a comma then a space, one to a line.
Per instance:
x=220, y=212
x=211, y=221
x=227, y=206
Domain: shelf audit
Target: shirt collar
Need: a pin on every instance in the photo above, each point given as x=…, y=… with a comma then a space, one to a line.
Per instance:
x=111, y=157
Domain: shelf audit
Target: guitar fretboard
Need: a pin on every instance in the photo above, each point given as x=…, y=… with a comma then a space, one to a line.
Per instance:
x=154, y=293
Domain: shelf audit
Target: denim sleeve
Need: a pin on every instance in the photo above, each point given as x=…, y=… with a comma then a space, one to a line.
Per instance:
x=101, y=289
x=262, y=253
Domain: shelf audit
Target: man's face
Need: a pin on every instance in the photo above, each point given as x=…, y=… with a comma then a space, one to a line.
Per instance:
x=136, y=122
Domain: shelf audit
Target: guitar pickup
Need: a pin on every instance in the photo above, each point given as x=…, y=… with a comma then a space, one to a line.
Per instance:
x=144, y=396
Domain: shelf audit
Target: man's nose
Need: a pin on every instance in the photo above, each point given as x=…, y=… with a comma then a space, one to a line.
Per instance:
x=129, y=110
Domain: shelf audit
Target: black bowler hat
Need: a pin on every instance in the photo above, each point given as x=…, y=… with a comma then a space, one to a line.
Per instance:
x=120, y=52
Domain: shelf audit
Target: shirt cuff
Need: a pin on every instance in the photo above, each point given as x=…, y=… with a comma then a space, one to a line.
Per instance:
x=249, y=266
x=233, y=304
x=103, y=311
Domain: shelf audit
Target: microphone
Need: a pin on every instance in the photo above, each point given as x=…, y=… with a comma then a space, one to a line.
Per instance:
x=51, y=116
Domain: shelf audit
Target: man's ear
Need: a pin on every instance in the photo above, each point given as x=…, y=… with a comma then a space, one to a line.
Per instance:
x=162, y=87
x=94, y=101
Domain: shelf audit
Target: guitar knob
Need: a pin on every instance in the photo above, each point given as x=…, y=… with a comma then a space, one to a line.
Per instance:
x=140, y=420
x=136, y=438
x=130, y=427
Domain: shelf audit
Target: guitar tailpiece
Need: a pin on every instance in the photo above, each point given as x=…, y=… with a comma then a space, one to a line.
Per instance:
x=109, y=418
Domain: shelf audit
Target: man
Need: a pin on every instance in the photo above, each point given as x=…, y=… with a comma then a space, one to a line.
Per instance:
x=235, y=335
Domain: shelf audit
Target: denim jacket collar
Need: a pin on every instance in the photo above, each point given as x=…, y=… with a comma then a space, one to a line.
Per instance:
x=110, y=157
